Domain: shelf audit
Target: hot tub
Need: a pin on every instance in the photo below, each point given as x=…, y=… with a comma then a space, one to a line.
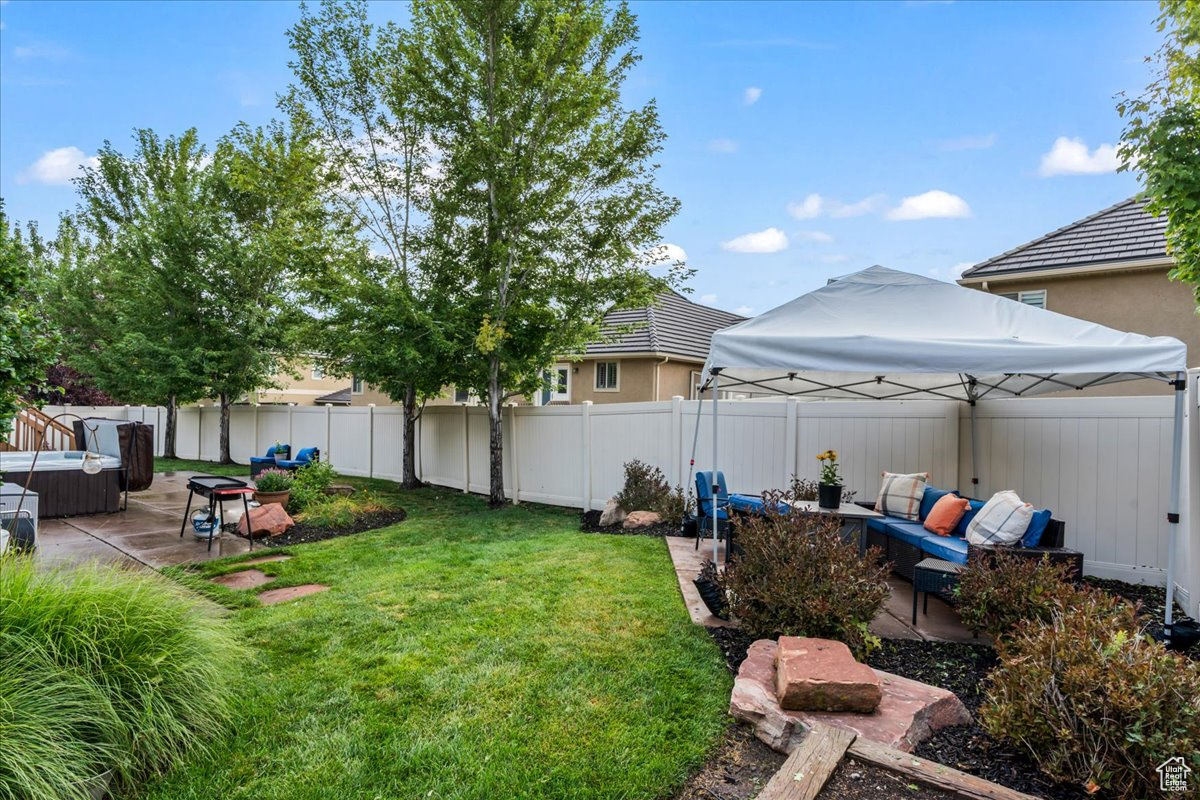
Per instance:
x=63, y=488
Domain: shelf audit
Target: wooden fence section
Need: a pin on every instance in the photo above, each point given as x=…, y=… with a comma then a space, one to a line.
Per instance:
x=1100, y=463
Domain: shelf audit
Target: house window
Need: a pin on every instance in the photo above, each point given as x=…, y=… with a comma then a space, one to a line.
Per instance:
x=318, y=373
x=607, y=376
x=462, y=395
x=1034, y=298
x=356, y=386
x=696, y=383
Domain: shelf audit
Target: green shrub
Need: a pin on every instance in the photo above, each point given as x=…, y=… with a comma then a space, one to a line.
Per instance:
x=1092, y=700
x=647, y=489
x=309, y=485
x=132, y=675
x=341, y=511
x=274, y=480
x=795, y=576
x=997, y=591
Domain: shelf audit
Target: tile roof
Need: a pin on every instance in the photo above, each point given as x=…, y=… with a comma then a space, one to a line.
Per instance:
x=672, y=326
x=339, y=398
x=1124, y=232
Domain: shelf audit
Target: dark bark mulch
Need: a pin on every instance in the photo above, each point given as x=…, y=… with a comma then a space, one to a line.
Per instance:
x=302, y=533
x=737, y=770
x=854, y=780
x=589, y=522
x=1152, y=601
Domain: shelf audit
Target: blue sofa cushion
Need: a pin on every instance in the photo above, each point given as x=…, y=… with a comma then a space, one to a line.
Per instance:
x=1037, y=526
x=913, y=533
x=746, y=503
x=947, y=548
x=960, y=530
x=704, y=496
x=931, y=496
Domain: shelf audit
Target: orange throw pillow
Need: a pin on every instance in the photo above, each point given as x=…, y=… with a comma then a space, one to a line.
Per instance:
x=945, y=514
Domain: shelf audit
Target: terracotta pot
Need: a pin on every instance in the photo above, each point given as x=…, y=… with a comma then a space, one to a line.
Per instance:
x=829, y=496
x=266, y=498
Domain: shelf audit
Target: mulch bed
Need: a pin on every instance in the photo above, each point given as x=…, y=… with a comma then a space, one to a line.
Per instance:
x=737, y=770
x=589, y=522
x=1152, y=601
x=302, y=533
x=854, y=780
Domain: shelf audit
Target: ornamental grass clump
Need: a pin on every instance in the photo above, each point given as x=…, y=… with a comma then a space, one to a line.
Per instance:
x=104, y=671
x=999, y=590
x=795, y=575
x=1093, y=701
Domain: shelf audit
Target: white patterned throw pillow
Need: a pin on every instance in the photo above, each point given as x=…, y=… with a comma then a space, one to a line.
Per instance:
x=900, y=495
x=1002, y=520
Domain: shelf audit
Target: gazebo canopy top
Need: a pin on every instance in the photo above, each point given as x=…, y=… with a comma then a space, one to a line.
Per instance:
x=885, y=334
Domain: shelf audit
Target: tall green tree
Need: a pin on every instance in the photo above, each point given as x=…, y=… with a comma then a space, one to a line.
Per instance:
x=28, y=342
x=376, y=316
x=131, y=300
x=546, y=213
x=1162, y=136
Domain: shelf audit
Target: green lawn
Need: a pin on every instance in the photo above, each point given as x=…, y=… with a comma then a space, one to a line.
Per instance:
x=207, y=467
x=468, y=653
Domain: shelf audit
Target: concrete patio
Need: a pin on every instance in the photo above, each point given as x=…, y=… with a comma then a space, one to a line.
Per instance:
x=146, y=534
x=894, y=622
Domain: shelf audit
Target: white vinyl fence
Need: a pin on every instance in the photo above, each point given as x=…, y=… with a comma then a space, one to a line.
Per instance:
x=1100, y=463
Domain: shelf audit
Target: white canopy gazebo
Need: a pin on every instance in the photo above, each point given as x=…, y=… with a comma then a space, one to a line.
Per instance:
x=882, y=334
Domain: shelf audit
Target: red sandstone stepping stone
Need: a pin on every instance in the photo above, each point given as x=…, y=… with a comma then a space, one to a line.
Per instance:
x=823, y=675
x=245, y=579
x=907, y=715
x=273, y=596
x=263, y=560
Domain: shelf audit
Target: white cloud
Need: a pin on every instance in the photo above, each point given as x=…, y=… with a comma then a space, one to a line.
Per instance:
x=751, y=95
x=814, y=236
x=951, y=273
x=967, y=143
x=809, y=208
x=723, y=146
x=814, y=205
x=57, y=167
x=665, y=255
x=744, y=311
x=41, y=50
x=708, y=299
x=771, y=240
x=1071, y=157
x=934, y=204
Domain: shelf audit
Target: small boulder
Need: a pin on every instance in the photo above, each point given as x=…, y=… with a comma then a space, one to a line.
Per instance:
x=268, y=520
x=642, y=519
x=339, y=489
x=612, y=514
x=822, y=675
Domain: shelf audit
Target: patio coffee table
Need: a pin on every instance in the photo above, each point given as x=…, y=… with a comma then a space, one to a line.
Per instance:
x=933, y=575
x=851, y=512
x=217, y=489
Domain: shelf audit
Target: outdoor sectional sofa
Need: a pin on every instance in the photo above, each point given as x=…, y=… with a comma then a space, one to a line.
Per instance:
x=905, y=542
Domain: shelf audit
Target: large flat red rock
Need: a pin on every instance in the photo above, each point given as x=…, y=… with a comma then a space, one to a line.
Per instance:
x=907, y=715
x=244, y=579
x=268, y=520
x=272, y=596
x=823, y=675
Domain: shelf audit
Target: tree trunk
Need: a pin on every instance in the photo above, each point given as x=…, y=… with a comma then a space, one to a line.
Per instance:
x=495, y=435
x=225, y=404
x=172, y=427
x=411, y=481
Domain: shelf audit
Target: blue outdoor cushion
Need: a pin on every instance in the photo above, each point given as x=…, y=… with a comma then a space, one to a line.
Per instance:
x=931, y=496
x=913, y=533
x=1037, y=526
x=961, y=528
x=746, y=503
x=307, y=454
x=947, y=548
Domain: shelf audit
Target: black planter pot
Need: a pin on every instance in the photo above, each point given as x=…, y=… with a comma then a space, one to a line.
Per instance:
x=829, y=496
x=690, y=526
x=712, y=596
x=1183, y=635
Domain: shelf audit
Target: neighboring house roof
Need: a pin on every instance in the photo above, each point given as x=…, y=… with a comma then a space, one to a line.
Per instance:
x=672, y=326
x=339, y=398
x=1125, y=232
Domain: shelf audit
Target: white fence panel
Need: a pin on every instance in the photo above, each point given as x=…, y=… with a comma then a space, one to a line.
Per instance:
x=242, y=443
x=272, y=426
x=622, y=432
x=350, y=440
x=309, y=428
x=210, y=435
x=752, y=448
x=550, y=454
x=1099, y=463
x=443, y=445
x=387, y=443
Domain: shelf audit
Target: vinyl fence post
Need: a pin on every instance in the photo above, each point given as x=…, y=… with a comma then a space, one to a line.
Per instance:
x=586, y=453
x=516, y=464
x=675, y=465
x=254, y=435
x=370, y=440
x=291, y=444
x=328, y=442
x=466, y=415
x=199, y=432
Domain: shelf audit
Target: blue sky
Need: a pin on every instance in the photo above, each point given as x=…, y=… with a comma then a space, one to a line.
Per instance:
x=804, y=140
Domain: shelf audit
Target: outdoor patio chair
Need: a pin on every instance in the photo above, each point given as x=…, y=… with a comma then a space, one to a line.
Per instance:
x=305, y=457
x=260, y=463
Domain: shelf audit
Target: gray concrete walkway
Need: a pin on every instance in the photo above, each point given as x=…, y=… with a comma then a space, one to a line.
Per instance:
x=894, y=622
x=144, y=535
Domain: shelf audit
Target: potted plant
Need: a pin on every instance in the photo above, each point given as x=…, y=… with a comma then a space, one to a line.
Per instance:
x=273, y=486
x=829, y=490
x=280, y=452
